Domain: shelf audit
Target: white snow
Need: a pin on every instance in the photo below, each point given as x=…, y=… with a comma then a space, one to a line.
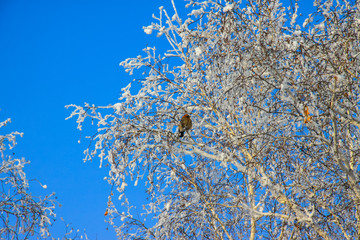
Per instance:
x=228, y=7
x=198, y=51
x=196, y=12
x=148, y=30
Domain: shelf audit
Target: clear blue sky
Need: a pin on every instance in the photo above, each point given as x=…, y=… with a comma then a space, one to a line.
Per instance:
x=59, y=52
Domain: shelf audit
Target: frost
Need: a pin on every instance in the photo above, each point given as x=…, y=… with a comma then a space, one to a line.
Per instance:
x=274, y=140
x=167, y=206
x=198, y=51
x=321, y=26
x=197, y=12
x=228, y=7
x=118, y=107
x=307, y=21
x=21, y=211
x=123, y=185
x=148, y=30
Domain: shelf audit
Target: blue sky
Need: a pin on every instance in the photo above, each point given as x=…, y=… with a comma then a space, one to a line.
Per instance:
x=54, y=53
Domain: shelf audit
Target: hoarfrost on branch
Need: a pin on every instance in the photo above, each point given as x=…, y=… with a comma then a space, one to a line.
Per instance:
x=274, y=148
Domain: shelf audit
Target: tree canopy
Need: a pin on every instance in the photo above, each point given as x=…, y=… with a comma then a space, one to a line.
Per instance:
x=273, y=151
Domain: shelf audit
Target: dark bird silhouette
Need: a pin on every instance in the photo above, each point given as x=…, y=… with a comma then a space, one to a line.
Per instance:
x=185, y=125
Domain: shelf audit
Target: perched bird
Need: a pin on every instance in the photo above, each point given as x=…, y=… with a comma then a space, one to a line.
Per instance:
x=185, y=124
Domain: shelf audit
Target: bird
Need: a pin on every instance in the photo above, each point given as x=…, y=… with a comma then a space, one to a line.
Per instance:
x=184, y=125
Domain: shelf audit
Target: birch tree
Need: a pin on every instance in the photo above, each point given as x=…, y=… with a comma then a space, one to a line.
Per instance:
x=273, y=152
x=22, y=215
